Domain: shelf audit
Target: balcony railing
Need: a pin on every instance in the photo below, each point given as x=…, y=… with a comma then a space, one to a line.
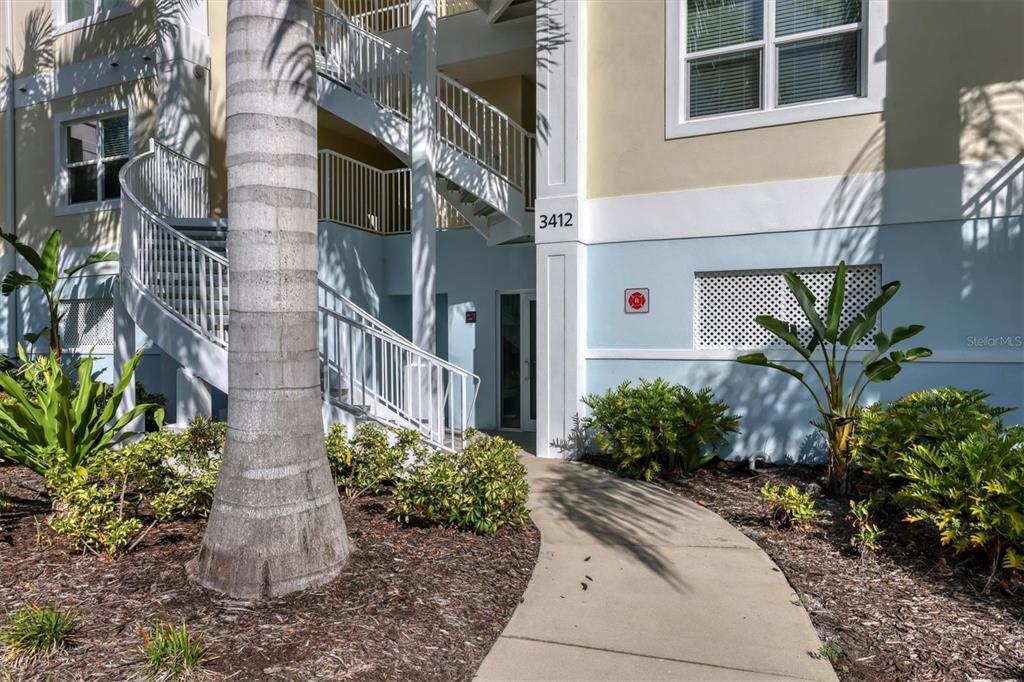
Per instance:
x=379, y=16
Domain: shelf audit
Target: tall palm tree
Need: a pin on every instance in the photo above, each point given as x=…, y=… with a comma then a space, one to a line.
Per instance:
x=276, y=525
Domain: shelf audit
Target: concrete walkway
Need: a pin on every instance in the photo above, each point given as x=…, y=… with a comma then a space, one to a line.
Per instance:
x=637, y=583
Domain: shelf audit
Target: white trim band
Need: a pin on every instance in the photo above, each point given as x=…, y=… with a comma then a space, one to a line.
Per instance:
x=985, y=357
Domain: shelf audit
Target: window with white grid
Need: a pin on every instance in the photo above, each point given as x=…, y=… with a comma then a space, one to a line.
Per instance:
x=726, y=303
x=734, y=64
x=87, y=323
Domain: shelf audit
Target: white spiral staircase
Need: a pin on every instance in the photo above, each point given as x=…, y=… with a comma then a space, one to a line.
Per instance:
x=175, y=284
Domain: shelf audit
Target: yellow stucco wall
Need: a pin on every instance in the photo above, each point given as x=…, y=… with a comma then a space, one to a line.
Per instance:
x=35, y=167
x=37, y=49
x=955, y=84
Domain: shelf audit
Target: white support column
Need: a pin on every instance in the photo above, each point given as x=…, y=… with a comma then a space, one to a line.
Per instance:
x=192, y=397
x=124, y=349
x=561, y=251
x=422, y=137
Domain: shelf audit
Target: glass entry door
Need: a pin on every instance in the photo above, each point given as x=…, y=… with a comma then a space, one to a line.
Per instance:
x=517, y=355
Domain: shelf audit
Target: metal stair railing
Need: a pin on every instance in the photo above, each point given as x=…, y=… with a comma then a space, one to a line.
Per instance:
x=366, y=365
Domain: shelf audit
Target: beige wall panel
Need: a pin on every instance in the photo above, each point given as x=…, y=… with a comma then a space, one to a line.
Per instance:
x=38, y=49
x=218, y=21
x=35, y=170
x=955, y=82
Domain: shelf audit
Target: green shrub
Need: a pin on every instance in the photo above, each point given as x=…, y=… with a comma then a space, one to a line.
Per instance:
x=889, y=429
x=481, y=488
x=867, y=536
x=63, y=424
x=657, y=427
x=972, y=491
x=368, y=462
x=35, y=632
x=790, y=508
x=91, y=516
x=173, y=653
x=190, y=466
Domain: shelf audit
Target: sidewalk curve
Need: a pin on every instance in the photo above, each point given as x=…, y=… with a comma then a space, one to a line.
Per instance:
x=635, y=582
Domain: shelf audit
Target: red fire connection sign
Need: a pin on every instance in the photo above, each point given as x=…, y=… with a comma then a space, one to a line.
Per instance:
x=638, y=301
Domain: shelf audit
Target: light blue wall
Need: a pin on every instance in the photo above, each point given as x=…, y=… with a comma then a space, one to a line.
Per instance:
x=375, y=271
x=960, y=279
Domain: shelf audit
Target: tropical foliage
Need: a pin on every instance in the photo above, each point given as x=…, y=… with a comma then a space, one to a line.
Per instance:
x=838, y=399
x=972, y=491
x=49, y=278
x=888, y=430
x=63, y=424
x=657, y=427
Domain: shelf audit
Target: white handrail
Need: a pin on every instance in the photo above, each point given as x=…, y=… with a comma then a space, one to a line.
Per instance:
x=183, y=276
x=366, y=364
x=363, y=61
x=394, y=381
x=358, y=195
x=465, y=120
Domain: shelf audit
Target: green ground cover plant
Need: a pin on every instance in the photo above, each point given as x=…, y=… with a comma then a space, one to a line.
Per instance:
x=172, y=652
x=369, y=461
x=36, y=632
x=789, y=507
x=482, y=488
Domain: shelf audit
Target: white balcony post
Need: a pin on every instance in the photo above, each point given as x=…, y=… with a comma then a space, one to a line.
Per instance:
x=422, y=136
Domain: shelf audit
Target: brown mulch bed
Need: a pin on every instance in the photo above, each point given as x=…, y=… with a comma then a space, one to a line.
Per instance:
x=412, y=603
x=912, y=612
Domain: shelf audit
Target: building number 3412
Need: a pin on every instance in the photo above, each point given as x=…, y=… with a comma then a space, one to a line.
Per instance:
x=556, y=220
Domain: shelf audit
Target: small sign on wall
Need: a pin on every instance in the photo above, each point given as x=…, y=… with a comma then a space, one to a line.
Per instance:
x=638, y=301
x=470, y=317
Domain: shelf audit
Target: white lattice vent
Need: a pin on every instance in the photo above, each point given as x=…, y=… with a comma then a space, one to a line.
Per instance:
x=726, y=302
x=87, y=323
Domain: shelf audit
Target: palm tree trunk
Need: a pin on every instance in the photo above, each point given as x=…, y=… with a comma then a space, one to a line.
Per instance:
x=276, y=525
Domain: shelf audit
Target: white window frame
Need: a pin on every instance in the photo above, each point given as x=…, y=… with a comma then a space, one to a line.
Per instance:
x=61, y=24
x=60, y=148
x=872, y=74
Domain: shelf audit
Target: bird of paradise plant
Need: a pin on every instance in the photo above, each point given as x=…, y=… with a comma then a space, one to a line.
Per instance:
x=837, y=401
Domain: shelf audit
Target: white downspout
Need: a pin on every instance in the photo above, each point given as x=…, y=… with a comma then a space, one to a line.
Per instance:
x=10, y=259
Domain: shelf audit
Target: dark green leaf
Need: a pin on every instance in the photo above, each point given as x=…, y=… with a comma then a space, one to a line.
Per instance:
x=785, y=331
x=835, y=302
x=904, y=333
x=760, y=360
x=806, y=300
x=14, y=281
x=99, y=257
x=51, y=262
